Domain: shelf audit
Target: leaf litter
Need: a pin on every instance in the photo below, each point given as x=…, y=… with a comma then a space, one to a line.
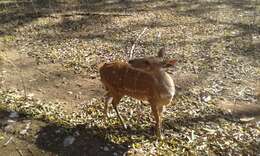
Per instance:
x=213, y=44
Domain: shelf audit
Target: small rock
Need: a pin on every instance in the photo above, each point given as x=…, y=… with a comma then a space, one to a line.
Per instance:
x=247, y=119
x=258, y=140
x=2, y=137
x=64, y=79
x=93, y=76
x=13, y=115
x=24, y=131
x=206, y=98
x=30, y=95
x=77, y=133
x=11, y=121
x=70, y=92
x=58, y=131
x=106, y=149
x=9, y=128
x=68, y=141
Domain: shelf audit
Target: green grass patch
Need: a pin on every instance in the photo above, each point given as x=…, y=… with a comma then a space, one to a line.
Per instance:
x=7, y=38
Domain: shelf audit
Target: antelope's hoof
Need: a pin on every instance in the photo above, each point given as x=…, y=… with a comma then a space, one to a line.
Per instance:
x=125, y=127
x=161, y=137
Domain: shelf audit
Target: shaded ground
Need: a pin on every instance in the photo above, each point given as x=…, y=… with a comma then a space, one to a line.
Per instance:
x=42, y=137
x=12, y=145
x=51, y=51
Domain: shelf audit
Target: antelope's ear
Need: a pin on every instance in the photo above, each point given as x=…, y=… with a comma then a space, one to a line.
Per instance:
x=170, y=63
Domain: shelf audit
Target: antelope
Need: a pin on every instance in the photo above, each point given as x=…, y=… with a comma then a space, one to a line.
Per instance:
x=143, y=79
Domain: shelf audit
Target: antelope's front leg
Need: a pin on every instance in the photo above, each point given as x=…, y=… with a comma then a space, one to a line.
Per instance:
x=156, y=110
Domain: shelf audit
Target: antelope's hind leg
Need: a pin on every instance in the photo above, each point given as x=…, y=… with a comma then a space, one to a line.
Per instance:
x=115, y=102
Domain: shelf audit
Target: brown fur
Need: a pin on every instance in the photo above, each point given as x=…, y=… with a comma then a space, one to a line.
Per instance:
x=149, y=83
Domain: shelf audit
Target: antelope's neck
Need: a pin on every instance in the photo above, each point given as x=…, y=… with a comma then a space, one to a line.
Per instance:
x=165, y=82
x=162, y=76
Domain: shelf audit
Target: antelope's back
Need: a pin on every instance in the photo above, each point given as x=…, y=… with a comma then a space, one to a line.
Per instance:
x=122, y=78
x=112, y=72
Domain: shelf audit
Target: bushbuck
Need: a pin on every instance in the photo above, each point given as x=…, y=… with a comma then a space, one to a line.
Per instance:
x=143, y=79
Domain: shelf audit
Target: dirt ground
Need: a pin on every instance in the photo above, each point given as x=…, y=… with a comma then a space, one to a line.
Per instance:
x=53, y=57
x=51, y=82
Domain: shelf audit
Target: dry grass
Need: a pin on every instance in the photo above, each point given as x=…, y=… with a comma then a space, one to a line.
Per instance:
x=216, y=43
